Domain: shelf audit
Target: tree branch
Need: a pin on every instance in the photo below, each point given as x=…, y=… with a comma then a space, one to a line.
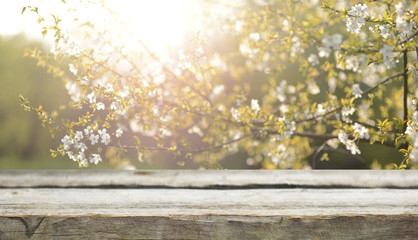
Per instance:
x=340, y=107
x=405, y=89
x=184, y=150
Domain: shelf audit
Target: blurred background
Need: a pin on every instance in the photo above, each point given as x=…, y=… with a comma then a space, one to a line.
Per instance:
x=25, y=144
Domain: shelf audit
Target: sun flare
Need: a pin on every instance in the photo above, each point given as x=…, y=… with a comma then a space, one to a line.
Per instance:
x=160, y=23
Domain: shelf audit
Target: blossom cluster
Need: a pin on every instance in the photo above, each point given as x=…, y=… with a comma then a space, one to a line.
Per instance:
x=356, y=18
x=289, y=127
x=349, y=143
x=404, y=26
x=75, y=145
x=330, y=43
x=412, y=132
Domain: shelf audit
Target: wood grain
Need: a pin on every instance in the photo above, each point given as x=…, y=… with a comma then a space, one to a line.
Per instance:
x=208, y=179
x=208, y=205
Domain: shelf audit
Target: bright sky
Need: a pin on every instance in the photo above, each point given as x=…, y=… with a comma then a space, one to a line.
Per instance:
x=12, y=22
x=161, y=22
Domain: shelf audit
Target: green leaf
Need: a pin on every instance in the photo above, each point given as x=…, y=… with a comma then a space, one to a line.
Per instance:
x=53, y=153
x=23, y=10
x=138, y=141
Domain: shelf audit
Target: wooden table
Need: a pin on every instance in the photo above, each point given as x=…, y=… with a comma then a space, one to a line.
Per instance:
x=229, y=204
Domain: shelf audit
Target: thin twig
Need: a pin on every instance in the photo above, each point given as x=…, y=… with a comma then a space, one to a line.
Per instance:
x=405, y=89
x=183, y=150
x=317, y=152
x=343, y=151
x=409, y=38
x=340, y=107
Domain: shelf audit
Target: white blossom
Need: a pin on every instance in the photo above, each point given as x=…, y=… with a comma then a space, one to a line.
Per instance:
x=78, y=136
x=88, y=130
x=332, y=84
x=95, y=158
x=313, y=59
x=356, y=18
x=350, y=145
x=91, y=97
x=235, y=114
x=320, y=110
x=357, y=92
x=217, y=62
x=73, y=69
x=413, y=134
x=409, y=131
x=114, y=106
x=384, y=31
x=290, y=128
x=362, y=131
x=296, y=47
x=67, y=142
x=94, y=139
x=313, y=88
x=413, y=155
x=284, y=108
x=84, y=80
x=73, y=91
x=354, y=63
x=346, y=113
x=333, y=143
x=100, y=106
x=414, y=72
x=342, y=76
x=108, y=87
x=359, y=10
x=405, y=28
x=387, y=54
x=324, y=52
x=400, y=8
x=71, y=155
x=105, y=137
x=254, y=106
x=247, y=51
x=119, y=133
x=81, y=159
x=81, y=146
x=216, y=91
x=412, y=125
x=415, y=117
x=330, y=43
x=196, y=130
x=362, y=111
x=254, y=37
x=124, y=93
x=281, y=91
x=250, y=161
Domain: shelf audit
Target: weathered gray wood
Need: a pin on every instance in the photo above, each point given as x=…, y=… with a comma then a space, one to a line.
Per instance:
x=187, y=205
x=209, y=227
x=166, y=202
x=207, y=179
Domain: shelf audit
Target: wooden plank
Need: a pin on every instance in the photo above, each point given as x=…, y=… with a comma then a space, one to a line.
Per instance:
x=167, y=202
x=209, y=227
x=208, y=214
x=208, y=179
x=187, y=205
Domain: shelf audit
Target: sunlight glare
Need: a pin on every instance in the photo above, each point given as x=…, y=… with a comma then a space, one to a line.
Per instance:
x=162, y=24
